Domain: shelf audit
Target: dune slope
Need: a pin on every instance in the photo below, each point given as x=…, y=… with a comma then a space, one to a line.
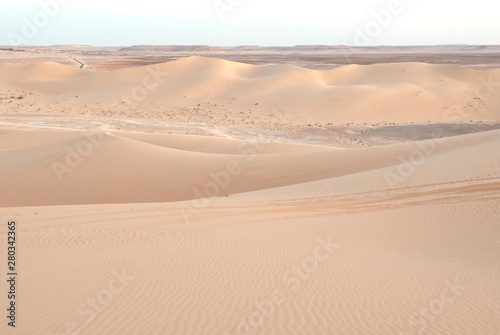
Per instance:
x=347, y=254
x=100, y=167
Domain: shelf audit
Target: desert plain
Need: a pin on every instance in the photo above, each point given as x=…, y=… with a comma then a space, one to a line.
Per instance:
x=203, y=190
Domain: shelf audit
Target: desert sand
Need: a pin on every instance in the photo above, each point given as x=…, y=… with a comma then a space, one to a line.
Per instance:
x=206, y=196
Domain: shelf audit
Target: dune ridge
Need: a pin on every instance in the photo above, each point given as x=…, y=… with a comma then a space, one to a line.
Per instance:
x=121, y=163
x=375, y=93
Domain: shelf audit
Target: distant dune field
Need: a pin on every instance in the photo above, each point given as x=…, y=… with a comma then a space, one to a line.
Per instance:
x=217, y=91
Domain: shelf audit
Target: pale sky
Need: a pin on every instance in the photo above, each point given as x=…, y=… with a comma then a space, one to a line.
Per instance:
x=249, y=22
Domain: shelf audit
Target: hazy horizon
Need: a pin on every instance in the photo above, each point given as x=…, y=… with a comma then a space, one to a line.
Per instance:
x=256, y=22
x=254, y=45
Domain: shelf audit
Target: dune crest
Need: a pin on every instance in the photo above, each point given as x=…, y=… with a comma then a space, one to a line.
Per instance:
x=353, y=93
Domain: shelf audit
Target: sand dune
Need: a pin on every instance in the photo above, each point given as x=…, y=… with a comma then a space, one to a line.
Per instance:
x=344, y=213
x=401, y=92
x=128, y=170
